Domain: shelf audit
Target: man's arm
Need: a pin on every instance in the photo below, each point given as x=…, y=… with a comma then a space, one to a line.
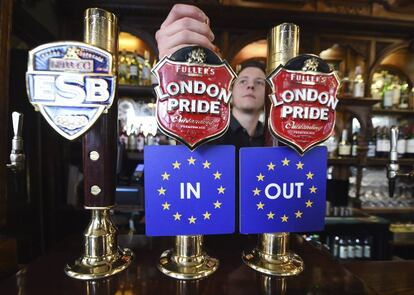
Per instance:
x=185, y=25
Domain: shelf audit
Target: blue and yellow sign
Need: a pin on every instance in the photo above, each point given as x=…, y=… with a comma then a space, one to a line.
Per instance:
x=189, y=192
x=281, y=191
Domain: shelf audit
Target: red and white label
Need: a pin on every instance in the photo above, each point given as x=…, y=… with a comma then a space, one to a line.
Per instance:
x=193, y=100
x=303, y=107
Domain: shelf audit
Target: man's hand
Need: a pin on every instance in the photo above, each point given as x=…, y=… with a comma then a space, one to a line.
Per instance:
x=185, y=25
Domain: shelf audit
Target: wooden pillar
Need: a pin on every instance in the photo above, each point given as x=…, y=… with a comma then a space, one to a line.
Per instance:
x=5, y=28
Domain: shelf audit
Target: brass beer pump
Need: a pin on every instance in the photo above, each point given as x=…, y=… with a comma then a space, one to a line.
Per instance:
x=102, y=257
x=187, y=260
x=272, y=255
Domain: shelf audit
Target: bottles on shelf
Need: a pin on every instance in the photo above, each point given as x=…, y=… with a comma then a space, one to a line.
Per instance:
x=350, y=247
x=133, y=69
x=393, y=91
x=383, y=142
x=344, y=147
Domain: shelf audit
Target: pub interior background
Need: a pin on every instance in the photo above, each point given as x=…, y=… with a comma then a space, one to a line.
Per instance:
x=369, y=43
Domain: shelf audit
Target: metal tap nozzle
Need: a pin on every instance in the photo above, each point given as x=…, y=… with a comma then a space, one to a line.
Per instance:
x=17, y=157
x=392, y=166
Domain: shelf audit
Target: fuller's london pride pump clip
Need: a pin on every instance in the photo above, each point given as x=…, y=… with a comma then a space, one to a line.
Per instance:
x=193, y=95
x=302, y=113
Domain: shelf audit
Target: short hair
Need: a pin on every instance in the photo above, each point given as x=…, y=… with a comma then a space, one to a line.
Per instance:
x=251, y=64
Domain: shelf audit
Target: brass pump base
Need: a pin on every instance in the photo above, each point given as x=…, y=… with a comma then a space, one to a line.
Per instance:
x=271, y=257
x=274, y=265
x=102, y=257
x=85, y=268
x=187, y=261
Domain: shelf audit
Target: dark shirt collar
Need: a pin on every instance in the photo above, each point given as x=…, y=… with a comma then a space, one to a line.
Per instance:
x=235, y=125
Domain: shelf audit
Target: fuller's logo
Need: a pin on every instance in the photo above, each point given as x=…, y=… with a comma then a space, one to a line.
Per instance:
x=304, y=101
x=71, y=84
x=193, y=95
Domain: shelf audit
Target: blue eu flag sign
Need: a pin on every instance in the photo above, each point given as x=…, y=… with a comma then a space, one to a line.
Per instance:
x=189, y=192
x=282, y=191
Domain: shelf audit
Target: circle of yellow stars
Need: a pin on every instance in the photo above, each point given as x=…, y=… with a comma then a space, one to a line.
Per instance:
x=191, y=161
x=271, y=167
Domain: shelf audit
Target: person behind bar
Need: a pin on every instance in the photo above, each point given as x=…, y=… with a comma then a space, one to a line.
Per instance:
x=187, y=25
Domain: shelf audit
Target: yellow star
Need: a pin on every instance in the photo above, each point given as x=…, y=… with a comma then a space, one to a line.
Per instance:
x=217, y=204
x=309, y=175
x=270, y=215
x=192, y=219
x=206, y=164
x=309, y=203
x=256, y=191
x=313, y=189
x=166, y=206
x=271, y=166
x=285, y=162
x=176, y=165
x=260, y=205
x=207, y=215
x=177, y=216
x=299, y=165
x=165, y=176
x=260, y=177
x=217, y=175
x=298, y=214
x=284, y=218
x=221, y=189
x=161, y=191
x=191, y=161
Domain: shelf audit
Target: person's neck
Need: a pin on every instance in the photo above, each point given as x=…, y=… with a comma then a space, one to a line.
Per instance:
x=247, y=120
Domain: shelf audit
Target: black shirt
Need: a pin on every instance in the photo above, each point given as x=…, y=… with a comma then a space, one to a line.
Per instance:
x=236, y=135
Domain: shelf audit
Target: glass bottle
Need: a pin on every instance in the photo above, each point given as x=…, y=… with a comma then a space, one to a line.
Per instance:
x=405, y=94
x=396, y=89
x=358, y=249
x=351, y=249
x=343, y=249
x=379, y=150
x=359, y=85
x=133, y=70
x=387, y=93
x=122, y=67
x=140, y=139
x=146, y=70
x=371, y=144
x=401, y=143
x=367, y=248
x=354, y=145
x=344, y=147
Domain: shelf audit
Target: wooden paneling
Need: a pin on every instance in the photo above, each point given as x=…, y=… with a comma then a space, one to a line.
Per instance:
x=5, y=27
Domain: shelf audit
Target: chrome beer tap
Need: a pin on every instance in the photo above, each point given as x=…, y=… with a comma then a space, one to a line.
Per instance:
x=17, y=157
x=393, y=168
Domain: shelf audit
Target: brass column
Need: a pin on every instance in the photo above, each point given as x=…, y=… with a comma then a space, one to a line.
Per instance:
x=272, y=255
x=102, y=257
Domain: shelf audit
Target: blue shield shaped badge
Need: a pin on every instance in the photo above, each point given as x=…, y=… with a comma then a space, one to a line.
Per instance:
x=71, y=84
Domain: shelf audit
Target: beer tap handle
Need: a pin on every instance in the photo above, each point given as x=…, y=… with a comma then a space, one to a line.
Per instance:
x=392, y=167
x=17, y=157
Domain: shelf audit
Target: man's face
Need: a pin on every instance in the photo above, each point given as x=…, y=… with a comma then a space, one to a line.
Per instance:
x=249, y=90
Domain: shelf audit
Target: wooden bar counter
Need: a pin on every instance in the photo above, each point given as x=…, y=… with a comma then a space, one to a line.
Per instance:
x=322, y=274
